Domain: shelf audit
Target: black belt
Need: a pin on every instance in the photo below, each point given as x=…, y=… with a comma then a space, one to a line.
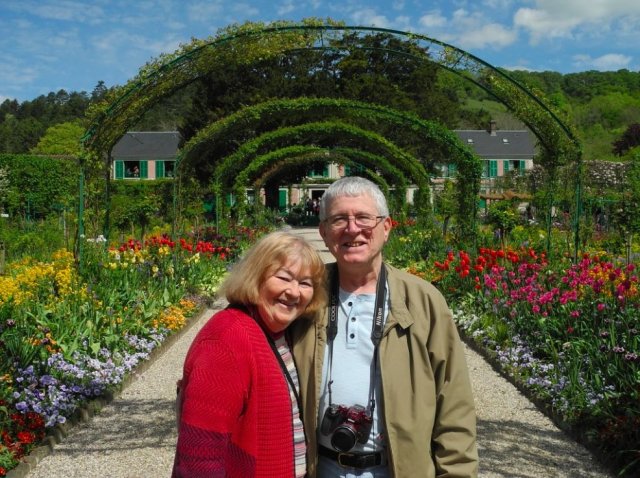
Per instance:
x=354, y=460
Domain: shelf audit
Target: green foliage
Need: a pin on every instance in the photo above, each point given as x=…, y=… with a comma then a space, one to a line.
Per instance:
x=503, y=216
x=38, y=185
x=61, y=139
x=630, y=139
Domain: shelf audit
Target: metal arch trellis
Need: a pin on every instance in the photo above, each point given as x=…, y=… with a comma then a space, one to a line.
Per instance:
x=340, y=155
x=448, y=56
x=160, y=79
x=256, y=169
x=250, y=118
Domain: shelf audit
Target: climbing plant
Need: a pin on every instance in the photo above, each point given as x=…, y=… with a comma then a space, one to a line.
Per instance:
x=253, y=42
x=379, y=169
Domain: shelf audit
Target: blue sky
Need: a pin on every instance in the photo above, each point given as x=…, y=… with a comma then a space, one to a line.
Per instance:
x=48, y=45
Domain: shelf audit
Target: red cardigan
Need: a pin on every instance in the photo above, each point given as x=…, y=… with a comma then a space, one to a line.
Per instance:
x=236, y=410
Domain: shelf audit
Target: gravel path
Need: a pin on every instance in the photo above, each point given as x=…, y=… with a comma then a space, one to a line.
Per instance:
x=135, y=435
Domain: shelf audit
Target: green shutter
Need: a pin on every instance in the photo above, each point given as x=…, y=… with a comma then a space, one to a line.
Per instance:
x=452, y=169
x=119, y=166
x=144, y=169
x=493, y=168
x=522, y=166
x=505, y=166
x=282, y=199
x=159, y=169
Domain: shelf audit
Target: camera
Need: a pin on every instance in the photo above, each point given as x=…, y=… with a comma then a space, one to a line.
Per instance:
x=346, y=425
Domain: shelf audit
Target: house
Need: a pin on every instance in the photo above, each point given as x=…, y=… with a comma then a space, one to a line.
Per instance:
x=145, y=155
x=500, y=150
x=152, y=155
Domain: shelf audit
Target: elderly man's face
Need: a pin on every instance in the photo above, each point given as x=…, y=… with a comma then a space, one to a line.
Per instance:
x=350, y=244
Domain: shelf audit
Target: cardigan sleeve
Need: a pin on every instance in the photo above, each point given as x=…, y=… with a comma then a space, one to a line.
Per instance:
x=215, y=388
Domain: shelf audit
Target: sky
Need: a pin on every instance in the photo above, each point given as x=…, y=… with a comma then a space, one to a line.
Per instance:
x=49, y=45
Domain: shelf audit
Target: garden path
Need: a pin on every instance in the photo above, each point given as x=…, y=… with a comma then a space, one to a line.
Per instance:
x=135, y=435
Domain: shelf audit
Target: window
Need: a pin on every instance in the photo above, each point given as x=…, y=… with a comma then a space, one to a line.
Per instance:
x=490, y=168
x=130, y=169
x=516, y=165
x=165, y=169
x=353, y=169
x=321, y=172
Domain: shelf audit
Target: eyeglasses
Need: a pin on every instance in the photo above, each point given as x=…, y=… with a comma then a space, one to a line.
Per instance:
x=363, y=221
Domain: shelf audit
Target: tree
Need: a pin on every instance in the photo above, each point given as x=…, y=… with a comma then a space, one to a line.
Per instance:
x=629, y=139
x=446, y=202
x=61, y=139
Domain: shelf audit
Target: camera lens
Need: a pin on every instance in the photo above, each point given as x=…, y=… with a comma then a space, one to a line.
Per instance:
x=344, y=438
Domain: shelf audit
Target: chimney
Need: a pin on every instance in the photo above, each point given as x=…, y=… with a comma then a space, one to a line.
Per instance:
x=492, y=127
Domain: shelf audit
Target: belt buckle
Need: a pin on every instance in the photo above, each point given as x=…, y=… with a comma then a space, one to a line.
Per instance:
x=339, y=459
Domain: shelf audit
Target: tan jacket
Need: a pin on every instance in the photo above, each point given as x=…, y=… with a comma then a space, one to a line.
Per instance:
x=427, y=399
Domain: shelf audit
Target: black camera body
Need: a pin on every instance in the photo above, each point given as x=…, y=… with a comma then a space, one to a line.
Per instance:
x=346, y=425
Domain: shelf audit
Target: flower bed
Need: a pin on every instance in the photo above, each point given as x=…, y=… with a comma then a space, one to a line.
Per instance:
x=567, y=333
x=72, y=332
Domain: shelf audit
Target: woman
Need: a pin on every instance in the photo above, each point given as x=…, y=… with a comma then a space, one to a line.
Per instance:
x=239, y=396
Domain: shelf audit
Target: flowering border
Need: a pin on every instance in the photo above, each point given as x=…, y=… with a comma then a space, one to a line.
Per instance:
x=83, y=414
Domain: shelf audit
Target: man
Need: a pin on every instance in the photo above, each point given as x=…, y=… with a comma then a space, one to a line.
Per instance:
x=383, y=378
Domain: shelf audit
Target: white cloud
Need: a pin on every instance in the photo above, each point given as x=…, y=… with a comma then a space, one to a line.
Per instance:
x=63, y=10
x=432, y=20
x=286, y=7
x=608, y=62
x=204, y=11
x=542, y=24
x=369, y=18
x=397, y=5
x=497, y=4
x=551, y=19
x=490, y=35
x=468, y=29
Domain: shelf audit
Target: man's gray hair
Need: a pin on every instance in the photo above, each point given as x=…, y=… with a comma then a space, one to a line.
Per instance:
x=353, y=186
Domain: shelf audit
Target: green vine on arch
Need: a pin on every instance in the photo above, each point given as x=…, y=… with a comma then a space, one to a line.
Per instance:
x=241, y=125
x=328, y=133
x=298, y=155
x=252, y=42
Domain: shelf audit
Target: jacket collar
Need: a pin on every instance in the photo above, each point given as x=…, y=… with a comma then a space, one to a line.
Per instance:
x=399, y=313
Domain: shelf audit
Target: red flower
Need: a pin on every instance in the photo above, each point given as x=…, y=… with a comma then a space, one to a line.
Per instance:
x=26, y=437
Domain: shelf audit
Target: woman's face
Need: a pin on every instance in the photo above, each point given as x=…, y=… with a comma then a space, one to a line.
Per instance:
x=285, y=295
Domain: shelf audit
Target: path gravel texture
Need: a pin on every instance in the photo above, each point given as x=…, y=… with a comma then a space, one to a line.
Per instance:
x=135, y=435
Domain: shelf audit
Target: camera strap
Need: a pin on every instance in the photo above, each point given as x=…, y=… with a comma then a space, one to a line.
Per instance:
x=376, y=328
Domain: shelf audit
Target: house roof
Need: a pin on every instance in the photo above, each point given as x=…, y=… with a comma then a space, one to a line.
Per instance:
x=147, y=145
x=488, y=144
x=499, y=144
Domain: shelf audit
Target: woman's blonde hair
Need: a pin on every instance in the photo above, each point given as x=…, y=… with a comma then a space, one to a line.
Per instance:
x=264, y=258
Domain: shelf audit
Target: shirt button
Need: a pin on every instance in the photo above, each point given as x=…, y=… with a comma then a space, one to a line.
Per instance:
x=353, y=319
x=349, y=304
x=352, y=336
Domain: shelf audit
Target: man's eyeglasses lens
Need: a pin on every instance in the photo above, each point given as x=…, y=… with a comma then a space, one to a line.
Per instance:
x=364, y=221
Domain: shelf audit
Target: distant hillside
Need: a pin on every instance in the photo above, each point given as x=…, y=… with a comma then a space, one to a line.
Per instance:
x=601, y=105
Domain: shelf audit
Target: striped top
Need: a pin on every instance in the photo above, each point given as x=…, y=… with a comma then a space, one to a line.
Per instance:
x=299, y=441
